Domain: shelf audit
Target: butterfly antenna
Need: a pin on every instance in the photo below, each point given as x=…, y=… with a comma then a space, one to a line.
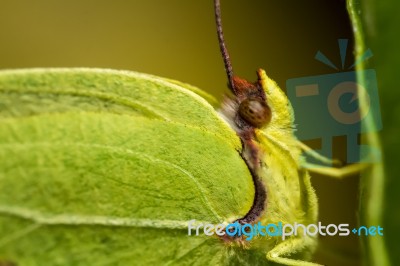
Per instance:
x=222, y=46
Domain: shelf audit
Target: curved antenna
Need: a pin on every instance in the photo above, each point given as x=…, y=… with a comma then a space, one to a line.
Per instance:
x=222, y=46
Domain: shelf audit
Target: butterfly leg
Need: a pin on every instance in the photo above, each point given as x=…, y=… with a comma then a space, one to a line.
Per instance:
x=325, y=160
x=339, y=173
x=286, y=248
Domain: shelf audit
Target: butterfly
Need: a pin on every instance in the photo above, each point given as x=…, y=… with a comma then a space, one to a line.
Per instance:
x=262, y=116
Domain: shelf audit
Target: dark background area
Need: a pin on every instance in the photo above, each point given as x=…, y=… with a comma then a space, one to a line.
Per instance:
x=177, y=39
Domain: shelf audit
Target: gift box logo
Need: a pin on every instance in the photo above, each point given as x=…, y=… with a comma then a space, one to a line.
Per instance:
x=327, y=106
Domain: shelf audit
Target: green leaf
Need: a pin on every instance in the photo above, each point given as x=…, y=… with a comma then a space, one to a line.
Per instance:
x=102, y=167
x=375, y=25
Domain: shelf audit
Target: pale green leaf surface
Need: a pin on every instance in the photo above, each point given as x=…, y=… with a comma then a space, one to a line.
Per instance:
x=101, y=167
x=381, y=35
x=375, y=26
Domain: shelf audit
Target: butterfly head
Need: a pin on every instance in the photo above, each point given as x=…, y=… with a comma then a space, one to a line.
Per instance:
x=253, y=107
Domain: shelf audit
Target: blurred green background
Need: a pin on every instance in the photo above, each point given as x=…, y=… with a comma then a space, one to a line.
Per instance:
x=177, y=39
x=382, y=32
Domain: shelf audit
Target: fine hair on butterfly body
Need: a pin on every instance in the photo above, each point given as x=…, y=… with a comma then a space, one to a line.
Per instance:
x=262, y=117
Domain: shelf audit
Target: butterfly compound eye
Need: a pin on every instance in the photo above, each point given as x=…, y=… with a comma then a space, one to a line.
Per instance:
x=255, y=112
